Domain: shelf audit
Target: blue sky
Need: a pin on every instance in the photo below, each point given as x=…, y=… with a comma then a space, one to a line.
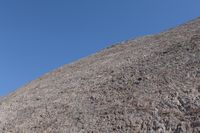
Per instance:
x=37, y=36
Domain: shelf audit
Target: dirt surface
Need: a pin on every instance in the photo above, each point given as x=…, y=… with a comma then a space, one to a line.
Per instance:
x=145, y=85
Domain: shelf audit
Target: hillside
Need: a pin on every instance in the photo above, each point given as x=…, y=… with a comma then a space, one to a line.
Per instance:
x=149, y=84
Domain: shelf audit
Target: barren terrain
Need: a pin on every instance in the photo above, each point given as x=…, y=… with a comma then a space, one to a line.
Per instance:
x=149, y=85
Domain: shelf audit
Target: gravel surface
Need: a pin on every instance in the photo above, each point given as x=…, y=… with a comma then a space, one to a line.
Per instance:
x=145, y=85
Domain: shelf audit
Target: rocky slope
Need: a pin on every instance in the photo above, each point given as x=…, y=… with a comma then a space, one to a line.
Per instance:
x=1, y=98
x=150, y=84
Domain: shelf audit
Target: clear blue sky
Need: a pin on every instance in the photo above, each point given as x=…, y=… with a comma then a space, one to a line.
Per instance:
x=37, y=36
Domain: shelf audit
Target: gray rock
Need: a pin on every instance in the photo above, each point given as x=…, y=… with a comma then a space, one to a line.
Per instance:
x=149, y=84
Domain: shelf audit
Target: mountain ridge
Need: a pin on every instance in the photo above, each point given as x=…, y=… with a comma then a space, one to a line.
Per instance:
x=114, y=45
x=149, y=84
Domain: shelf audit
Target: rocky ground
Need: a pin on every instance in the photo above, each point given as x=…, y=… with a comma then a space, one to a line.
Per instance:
x=145, y=85
x=1, y=98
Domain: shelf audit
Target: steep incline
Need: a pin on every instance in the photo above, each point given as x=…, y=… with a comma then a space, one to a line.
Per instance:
x=150, y=84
